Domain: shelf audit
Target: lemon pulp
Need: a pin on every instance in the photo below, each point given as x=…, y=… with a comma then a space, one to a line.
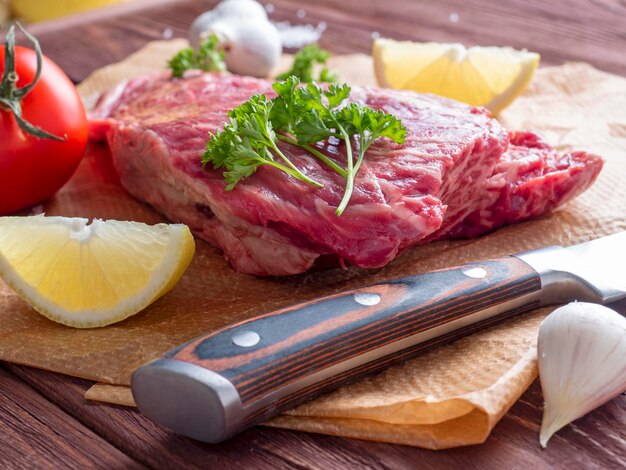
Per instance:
x=481, y=76
x=88, y=275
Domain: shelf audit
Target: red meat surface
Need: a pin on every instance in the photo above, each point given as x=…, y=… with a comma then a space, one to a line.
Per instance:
x=458, y=174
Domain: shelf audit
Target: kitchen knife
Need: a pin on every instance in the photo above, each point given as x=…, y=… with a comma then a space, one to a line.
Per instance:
x=227, y=380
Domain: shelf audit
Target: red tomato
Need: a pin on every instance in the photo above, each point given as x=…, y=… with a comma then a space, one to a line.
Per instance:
x=33, y=169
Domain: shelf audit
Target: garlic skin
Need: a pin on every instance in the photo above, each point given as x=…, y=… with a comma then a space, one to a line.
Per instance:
x=231, y=9
x=582, y=362
x=252, y=43
x=252, y=48
x=249, y=9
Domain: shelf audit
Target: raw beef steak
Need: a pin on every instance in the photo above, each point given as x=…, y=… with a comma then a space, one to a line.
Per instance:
x=459, y=174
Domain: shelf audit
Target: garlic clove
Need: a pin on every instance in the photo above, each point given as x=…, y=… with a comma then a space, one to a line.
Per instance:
x=582, y=362
x=200, y=26
x=251, y=42
x=252, y=48
x=248, y=9
x=228, y=11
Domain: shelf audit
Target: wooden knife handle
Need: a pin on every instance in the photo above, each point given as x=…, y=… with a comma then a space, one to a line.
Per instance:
x=272, y=362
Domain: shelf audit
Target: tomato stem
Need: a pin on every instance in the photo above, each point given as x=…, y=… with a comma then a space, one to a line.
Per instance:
x=11, y=95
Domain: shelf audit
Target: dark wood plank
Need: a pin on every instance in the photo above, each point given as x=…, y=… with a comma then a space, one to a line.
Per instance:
x=158, y=448
x=576, y=30
x=35, y=433
x=573, y=30
x=596, y=441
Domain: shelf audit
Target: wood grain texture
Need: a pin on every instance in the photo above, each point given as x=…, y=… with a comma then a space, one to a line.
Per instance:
x=373, y=367
x=596, y=441
x=574, y=30
x=35, y=433
x=302, y=340
x=588, y=30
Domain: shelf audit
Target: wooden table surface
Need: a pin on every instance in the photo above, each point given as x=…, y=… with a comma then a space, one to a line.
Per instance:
x=46, y=423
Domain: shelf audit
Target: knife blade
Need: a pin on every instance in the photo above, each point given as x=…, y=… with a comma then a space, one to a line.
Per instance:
x=225, y=381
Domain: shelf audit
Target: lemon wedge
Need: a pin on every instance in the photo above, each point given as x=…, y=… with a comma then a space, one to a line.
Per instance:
x=481, y=76
x=88, y=275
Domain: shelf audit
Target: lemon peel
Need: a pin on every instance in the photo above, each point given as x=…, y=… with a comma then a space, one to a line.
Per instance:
x=90, y=275
x=481, y=76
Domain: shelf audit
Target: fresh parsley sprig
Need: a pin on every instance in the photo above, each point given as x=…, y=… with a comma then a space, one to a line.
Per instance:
x=302, y=116
x=368, y=125
x=304, y=62
x=295, y=118
x=311, y=114
x=247, y=142
x=208, y=57
x=318, y=120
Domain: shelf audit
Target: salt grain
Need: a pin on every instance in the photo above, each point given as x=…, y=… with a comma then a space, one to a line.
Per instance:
x=454, y=18
x=298, y=36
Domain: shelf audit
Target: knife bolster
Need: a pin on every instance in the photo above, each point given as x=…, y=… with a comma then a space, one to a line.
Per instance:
x=189, y=399
x=566, y=277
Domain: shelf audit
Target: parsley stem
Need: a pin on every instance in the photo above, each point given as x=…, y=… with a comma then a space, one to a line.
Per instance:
x=294, y=169
x=363, y=146
x=316, y=153
x=295, y=174
x=350, y=179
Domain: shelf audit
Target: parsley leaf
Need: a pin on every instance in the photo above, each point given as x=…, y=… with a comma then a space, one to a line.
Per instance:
x=298, y=124
x=337, y=94
x=247, y=142
x=208, y=57
x=301, y=115
x=287, y=105
x=303, y=63
x=312, y=128
x=318, y=120
x=368, y=125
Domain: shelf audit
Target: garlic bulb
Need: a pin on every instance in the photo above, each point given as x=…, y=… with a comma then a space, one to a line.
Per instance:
x=582, y=362
x=249, y=9
x=252, y=48
x=252, y=43
x=231, y=9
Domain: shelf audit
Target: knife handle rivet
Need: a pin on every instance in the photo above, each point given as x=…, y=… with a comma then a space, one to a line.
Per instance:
x=246, y=339
x=366, y=298
x=475, y=272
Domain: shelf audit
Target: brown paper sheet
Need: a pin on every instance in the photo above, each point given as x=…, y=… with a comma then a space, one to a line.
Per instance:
x=451, y=396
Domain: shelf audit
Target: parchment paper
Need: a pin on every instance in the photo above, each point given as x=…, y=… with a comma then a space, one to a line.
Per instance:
x=449, y=397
